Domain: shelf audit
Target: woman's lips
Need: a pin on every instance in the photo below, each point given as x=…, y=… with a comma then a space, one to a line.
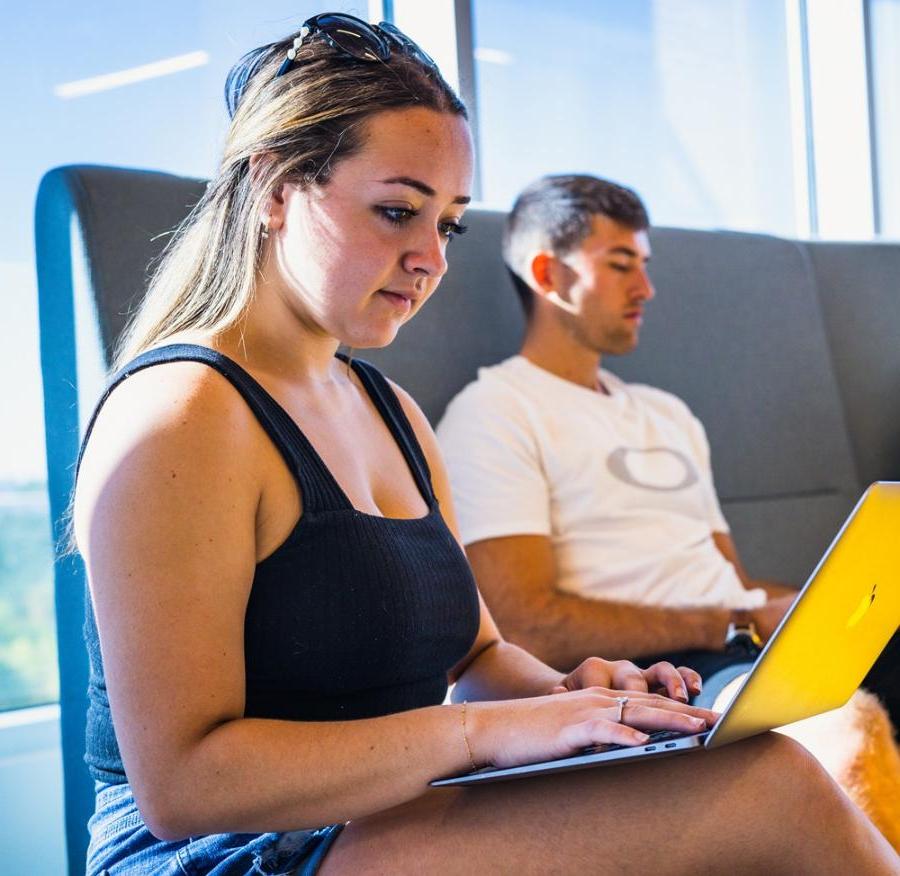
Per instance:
x=402, y=303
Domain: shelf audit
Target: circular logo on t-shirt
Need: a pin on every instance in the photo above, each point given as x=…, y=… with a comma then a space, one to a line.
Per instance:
x=652, y=468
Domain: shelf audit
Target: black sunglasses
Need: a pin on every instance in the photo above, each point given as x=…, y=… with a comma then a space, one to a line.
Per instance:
x=355, y=37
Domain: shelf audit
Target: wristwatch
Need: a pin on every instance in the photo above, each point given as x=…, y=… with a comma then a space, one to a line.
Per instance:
x=742, y=635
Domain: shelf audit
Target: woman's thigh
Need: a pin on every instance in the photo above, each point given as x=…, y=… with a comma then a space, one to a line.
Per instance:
x=728, y=810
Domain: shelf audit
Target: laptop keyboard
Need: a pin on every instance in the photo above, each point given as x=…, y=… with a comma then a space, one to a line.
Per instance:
x=658, y=736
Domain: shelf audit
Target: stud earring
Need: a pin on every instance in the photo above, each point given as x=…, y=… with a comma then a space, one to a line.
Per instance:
x=265, y=230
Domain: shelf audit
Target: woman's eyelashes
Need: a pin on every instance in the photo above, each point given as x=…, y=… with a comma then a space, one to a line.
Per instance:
x=397, y=215
x=449, y=228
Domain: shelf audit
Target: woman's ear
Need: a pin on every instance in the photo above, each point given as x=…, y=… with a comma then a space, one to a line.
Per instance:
x=273, y=215
x=273, y=212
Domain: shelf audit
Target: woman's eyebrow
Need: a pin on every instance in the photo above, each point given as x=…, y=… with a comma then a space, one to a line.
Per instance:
x=422, y=187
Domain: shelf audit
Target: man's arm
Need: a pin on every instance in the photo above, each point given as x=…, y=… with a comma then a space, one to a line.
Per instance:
x=517, y=577
x=774, y=590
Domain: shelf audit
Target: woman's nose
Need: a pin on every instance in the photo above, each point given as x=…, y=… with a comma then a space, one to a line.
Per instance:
x=428, y=255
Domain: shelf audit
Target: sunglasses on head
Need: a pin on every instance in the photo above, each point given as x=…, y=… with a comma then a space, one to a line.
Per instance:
x=355, y=37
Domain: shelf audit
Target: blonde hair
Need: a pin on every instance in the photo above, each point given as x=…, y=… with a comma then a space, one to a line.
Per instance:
x=300, y=125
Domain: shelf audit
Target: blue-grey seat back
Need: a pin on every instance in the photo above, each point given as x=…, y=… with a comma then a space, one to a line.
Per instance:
x=859, y=288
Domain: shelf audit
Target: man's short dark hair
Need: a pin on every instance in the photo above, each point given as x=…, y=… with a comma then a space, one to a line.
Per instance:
x=556, y=213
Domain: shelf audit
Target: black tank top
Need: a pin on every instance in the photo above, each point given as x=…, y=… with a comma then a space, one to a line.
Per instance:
x=354, y=615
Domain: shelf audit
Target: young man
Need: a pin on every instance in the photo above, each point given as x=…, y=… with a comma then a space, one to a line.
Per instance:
x=587, y=504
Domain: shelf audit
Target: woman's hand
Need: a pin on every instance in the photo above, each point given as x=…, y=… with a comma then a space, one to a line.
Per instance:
x=512, y=732
x=623, y=675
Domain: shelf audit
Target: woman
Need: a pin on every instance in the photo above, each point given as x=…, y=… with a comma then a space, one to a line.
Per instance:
x=274, y=570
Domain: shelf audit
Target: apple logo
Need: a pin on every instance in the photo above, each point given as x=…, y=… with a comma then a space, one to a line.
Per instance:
x=864, y=605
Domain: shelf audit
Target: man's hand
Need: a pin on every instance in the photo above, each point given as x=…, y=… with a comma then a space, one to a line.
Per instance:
x=622, y=675
x=769, y=615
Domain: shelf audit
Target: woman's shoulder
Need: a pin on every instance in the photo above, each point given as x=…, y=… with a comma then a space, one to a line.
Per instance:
x=168, y=413
x=187, y=395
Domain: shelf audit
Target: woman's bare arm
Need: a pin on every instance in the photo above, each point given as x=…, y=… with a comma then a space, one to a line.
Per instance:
x=166, y=520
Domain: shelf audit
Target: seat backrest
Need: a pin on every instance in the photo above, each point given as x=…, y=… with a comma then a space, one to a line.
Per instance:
x=859, y=291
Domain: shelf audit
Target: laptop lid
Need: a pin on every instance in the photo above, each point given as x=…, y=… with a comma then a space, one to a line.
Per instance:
x=827, y=642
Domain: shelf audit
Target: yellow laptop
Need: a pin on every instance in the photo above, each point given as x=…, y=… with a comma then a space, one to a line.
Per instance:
x=817, y=657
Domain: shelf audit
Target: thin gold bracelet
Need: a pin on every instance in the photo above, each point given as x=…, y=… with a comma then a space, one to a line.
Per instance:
x=466, y=737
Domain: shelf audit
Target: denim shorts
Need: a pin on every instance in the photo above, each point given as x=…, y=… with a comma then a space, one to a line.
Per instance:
x=121, y=843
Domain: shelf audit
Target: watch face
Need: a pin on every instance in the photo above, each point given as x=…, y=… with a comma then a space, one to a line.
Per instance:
x=743, y=641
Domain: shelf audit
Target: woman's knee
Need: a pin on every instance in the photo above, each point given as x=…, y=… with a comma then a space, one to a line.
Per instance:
x=782, y=768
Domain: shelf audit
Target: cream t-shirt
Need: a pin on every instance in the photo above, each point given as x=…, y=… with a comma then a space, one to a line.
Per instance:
x=621, y=483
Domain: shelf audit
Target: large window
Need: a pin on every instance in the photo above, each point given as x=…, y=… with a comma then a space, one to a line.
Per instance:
x=687, y=101
x=137, y=85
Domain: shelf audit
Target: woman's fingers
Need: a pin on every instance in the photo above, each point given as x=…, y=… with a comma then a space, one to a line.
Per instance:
x=506, y=733
x=606, y=703
x=692, y=679
x=658, y=702
x=652, y=719
x=677, y=683
x=666, y=677
x=602, y=731
x=627, y=676
x=666, y=706
x=680, y=683
x=630, y=722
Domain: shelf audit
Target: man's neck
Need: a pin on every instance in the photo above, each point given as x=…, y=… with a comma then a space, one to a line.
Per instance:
x=578, y=366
